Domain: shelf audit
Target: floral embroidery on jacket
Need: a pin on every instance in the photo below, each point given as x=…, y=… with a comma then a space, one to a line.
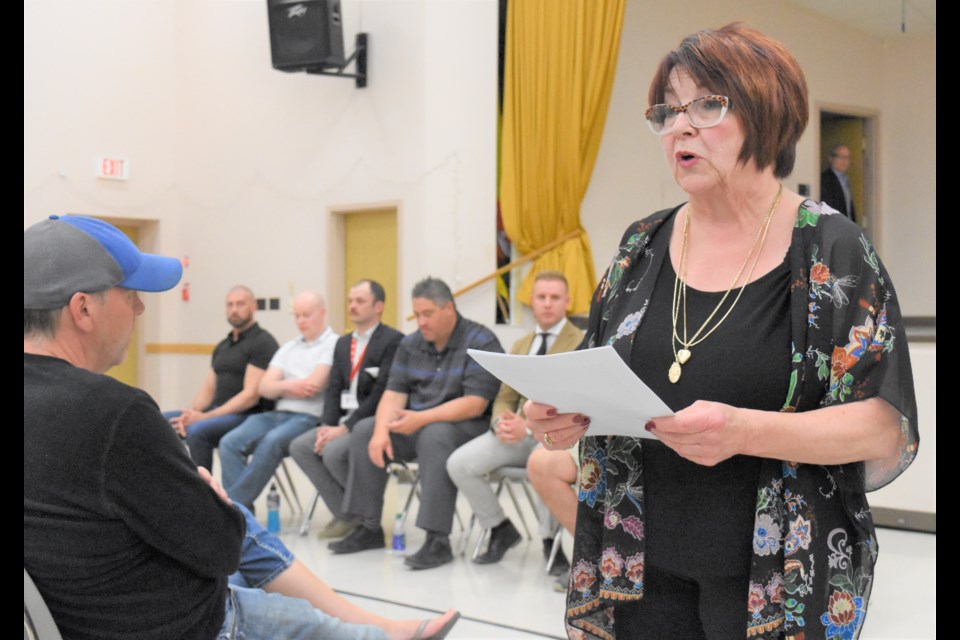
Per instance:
x=813, y=540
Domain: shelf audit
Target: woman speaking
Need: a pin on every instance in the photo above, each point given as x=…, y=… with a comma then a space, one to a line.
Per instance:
x=769, y=325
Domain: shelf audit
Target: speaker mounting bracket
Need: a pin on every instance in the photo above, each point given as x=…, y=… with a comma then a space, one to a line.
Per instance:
x=359, y=54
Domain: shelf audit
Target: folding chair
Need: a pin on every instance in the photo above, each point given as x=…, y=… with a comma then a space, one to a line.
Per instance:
x=292, y=487
x=38, y=623
x=505, y=477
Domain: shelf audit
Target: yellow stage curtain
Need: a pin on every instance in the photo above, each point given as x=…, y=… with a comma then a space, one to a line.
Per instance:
x=560, y=61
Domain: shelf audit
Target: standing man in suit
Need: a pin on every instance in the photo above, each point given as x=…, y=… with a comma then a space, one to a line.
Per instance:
x=358, y=377
x=508, y=443
x=835, y=183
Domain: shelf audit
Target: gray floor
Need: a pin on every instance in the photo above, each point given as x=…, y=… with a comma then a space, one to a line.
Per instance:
x=515, y=598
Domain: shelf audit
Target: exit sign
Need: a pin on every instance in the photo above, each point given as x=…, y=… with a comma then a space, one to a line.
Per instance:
x=113, y=168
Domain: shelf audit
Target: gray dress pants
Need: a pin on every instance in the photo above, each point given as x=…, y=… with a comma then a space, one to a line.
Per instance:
x=429, y=447
x=327, y=473
x=468, y=468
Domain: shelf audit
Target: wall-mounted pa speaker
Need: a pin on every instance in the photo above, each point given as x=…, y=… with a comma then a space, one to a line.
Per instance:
x=305, y=34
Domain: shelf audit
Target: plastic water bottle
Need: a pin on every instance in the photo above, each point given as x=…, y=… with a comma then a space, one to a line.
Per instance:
x=273, y=509
x=399, y=544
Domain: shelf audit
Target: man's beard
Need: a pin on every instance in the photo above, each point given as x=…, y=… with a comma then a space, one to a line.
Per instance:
x=236, y=321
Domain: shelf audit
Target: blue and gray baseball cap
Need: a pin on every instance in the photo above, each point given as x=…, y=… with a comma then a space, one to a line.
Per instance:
x=66, y=254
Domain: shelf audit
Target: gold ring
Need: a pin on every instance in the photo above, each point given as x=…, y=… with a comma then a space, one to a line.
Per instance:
x=547, y=440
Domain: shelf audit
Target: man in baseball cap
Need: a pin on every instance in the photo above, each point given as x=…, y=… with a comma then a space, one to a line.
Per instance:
x=122, y=534
x=66, y=254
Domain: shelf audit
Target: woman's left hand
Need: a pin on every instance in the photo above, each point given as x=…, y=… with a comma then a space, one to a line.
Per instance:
x=705, y=432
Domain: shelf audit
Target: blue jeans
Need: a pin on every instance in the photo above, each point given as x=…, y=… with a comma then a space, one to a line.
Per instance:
x=252, y=613
x=203, y=436
x=266, y=438
x=263, y=556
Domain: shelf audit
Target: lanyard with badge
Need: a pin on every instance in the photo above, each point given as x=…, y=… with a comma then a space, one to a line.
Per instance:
x=348, y=397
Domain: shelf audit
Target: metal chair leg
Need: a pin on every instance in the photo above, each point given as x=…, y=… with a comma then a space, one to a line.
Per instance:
x=308, y=516
x=480, y=539
x=516, y=505
x=283, y=488
x=555, y=549
x=414, y=491
x=530, y=498
x=465, y=538
x=293, y=487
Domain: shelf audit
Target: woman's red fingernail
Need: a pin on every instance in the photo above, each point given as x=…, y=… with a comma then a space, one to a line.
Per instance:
x=551, y=413
x=650, y=426
x=578, y=419
x=586, y=423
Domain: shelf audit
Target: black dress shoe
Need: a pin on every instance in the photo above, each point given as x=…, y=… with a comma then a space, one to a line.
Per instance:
x=360, y=539
x=434, y=552
x=503, y=537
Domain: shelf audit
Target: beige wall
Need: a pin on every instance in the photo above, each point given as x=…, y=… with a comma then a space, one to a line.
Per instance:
x=908, y=171
x=243, y=164
x=844, y=68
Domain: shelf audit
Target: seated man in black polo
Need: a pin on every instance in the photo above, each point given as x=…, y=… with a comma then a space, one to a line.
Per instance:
x=230, y=392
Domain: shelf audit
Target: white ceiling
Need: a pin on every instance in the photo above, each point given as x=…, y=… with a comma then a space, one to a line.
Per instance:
x=880, y=18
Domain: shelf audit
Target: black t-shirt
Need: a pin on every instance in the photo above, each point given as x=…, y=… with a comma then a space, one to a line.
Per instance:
x=230, y=359
x=121, y=535
x=694, y=512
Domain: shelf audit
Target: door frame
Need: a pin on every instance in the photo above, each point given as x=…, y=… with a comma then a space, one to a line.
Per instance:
x=871, y=208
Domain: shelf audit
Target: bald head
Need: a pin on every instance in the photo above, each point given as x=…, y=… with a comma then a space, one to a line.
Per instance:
x=310, y=314
x=242, y=290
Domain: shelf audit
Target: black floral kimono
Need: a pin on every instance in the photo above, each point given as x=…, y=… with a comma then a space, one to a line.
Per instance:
x=814, y=545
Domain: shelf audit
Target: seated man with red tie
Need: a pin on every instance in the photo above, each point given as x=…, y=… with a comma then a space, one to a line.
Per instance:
x=358, y=378
x=508, y=443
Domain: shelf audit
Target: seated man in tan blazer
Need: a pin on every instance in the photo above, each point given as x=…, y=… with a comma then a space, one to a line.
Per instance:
x=508, y=443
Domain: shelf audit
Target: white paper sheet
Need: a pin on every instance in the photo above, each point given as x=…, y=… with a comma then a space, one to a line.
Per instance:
x=594, y=382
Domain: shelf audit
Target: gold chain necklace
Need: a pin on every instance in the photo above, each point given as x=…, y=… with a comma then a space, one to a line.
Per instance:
x=682, y=355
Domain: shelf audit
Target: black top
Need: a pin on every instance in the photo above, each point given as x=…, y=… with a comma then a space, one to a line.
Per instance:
x=230, y=359
x=120, y=534
x=720, y=370
x=814, y=546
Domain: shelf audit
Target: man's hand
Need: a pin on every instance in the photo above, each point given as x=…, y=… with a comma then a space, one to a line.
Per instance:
x=210, y=480
x=511, y=428
x=186, y=418
x=301, y=388
x=325, y=435
x=380, y=448
x=406, y=422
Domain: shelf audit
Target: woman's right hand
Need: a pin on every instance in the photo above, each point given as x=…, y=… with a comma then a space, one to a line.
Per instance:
x=554, y=430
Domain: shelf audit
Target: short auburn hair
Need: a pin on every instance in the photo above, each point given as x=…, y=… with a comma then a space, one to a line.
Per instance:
x=765, y=84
